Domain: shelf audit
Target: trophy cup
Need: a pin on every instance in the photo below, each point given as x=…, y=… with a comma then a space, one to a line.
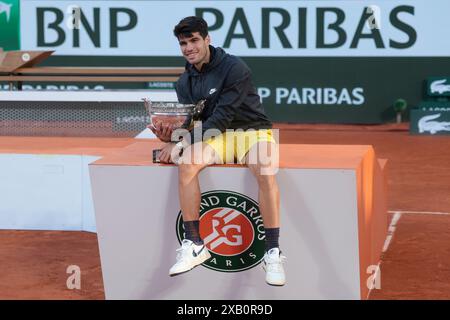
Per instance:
x=176, y=115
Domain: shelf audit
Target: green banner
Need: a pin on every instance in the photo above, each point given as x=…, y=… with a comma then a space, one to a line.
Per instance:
x=301, y=89
x=10, y=25
x=431, y=118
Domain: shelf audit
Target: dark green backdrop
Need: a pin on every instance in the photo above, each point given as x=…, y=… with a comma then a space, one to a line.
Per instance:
x=383, y=79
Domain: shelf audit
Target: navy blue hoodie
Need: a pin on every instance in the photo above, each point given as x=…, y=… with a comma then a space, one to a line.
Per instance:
x=232, y=100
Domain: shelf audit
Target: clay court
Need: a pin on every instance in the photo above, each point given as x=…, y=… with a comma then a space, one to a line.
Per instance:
x=415, y=264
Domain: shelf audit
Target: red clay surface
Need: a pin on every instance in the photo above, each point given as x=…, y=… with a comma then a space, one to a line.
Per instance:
x=34, y=265
x=416, y=265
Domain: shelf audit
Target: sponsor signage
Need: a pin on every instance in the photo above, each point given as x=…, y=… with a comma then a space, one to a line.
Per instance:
x=431, y=118
x=9, y=24
x=161, y=85
x=247, y=28
x=232, y=229
x=438, y=86
x=312, y=61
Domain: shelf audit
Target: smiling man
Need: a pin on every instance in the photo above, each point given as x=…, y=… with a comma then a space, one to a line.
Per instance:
x=234, y=111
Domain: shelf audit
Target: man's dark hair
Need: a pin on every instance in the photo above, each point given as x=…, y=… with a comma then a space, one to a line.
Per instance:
x=189, y=25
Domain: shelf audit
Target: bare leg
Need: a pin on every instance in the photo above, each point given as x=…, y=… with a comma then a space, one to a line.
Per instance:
x=191, y=254
x=188, y=184
x=268, y=195
x=269, y=201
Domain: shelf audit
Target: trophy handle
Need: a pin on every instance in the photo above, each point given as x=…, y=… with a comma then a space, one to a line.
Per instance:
x=148, y=106
x=198, y=109
x=147, y=103
x=195, y=115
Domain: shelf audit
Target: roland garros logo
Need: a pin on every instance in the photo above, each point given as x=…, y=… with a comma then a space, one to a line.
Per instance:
x=232, y=228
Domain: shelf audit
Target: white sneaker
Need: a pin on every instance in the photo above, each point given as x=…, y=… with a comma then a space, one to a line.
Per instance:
x=189, y=256
x=273, y=264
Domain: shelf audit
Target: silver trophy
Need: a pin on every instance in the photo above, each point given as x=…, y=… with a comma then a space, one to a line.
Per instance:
x=173, y=114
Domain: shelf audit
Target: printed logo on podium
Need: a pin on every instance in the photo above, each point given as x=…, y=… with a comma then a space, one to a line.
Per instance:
x=232, y=228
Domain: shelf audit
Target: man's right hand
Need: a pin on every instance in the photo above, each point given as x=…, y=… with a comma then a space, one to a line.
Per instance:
x=162, y=131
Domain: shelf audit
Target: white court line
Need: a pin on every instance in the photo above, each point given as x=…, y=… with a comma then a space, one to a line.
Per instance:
x=421, y=212
x=387, y=242
x=397, y=216
x=391, y=229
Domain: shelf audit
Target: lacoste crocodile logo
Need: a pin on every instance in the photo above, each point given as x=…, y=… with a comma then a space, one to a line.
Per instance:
x=439, y=86
x=6, y=8
x=425, y=124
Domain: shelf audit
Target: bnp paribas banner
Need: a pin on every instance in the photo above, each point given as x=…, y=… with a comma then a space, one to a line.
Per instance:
x=313, y=61
x=10, y=24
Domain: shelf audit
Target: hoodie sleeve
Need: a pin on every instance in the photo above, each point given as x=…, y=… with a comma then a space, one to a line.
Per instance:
x=231, y=97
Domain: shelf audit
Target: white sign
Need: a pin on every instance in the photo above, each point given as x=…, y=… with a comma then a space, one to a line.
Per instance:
x=245, y=28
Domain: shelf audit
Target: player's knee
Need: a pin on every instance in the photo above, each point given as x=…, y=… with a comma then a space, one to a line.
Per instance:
x=196, y=154
x=264, y=155
x=186, y=172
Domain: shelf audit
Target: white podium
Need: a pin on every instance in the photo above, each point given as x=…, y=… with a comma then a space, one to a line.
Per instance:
x=333, y=225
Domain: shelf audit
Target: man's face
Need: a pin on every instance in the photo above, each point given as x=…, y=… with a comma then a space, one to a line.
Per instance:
x=195, y=49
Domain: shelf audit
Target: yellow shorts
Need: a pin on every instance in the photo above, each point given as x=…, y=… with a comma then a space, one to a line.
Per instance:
x=234, y=145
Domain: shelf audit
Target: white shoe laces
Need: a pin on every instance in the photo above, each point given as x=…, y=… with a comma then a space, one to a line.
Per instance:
x=274, y=263
x=183, y=251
